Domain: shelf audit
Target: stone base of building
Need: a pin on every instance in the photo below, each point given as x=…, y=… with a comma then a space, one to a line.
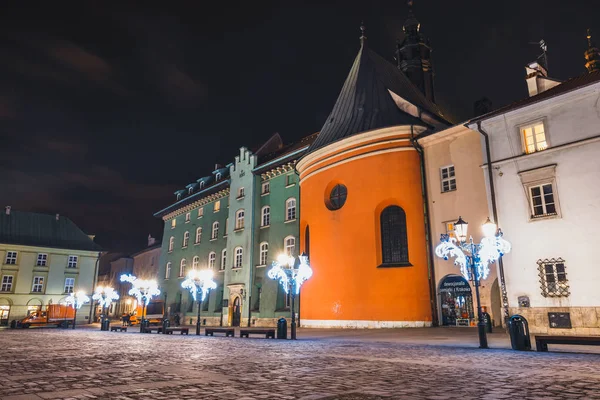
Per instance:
x=362, y=324
x=584, y=320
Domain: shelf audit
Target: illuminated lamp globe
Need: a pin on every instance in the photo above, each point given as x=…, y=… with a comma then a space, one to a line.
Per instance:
x=460, y=229
x=489, y=228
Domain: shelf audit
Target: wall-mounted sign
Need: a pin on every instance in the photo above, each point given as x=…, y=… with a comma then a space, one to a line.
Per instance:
x=456, y=285
x=523, y=301
x=559, y=320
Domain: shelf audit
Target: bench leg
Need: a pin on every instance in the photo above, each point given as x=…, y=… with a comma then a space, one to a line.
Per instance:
x=541, y=346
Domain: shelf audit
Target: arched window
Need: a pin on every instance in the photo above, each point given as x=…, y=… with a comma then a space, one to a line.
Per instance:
x=168, y=271
x=215, y=230
x=265, y=216
x=195, y=262
x=264, y=252
x=190, y=190
x=198, y=235
x=212, y=258
x=290, y=209
x=186, y=238
x=223, y=259
x=182, y=265
x=394, y=241
x=171, y=243
x=239, y=219
x=218, y=176
x=289, y=245
x=201, y=184
x=239, y=256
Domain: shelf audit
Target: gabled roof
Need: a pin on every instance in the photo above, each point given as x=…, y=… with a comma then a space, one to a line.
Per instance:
x=43, y=230
x=365, y=102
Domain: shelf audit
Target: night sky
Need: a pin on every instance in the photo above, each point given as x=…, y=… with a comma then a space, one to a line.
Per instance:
x=106, y=110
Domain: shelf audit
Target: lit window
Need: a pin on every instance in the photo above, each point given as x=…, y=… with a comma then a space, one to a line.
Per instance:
x=542, y=200
x=265, y=216
x=394, y=241
x=168, y=271
x=69, y=285
x=198, y=235
x=195, y=262
x=266, y=188
x=448, y=178
x=173, y=223
x=215, y=230
x=534, y=138
x=223, y=259
x=218, y=176
x=171, y=243
x=553, y=277
x=212, y=259
x=239, y=254
x=182, y=265
x=289, y=245
x=187, y=217
x=42, y=259
x=241, y=193
x=11, y=257
x=290, y=206
x=217, y=205
x=7, y=282
x=186, y=239
x=38, y=284
x=264, y=251
x=72, y=262
x=239, y=219
x=449, y=226
x=200, y=212
x=201, y=185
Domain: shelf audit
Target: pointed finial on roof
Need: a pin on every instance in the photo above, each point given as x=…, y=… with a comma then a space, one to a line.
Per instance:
x=363, y=29
x=411, y=23
x=592, y=55
x=589, y=38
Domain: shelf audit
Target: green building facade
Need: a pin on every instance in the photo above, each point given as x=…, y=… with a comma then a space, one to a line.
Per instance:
x=236, y=221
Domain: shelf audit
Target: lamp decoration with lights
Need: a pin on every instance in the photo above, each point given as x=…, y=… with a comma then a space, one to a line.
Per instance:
x=199, y=281
x=142, y=289
x=77, y=299
x=283, y=270
x=105, y=295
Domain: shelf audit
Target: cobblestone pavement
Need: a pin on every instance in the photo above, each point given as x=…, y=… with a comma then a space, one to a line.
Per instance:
x=89, y=364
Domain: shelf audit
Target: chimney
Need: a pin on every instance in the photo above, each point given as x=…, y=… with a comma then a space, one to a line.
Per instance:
x=57, y=217
x=151, y=241
x=537, y=78
x=7, y=208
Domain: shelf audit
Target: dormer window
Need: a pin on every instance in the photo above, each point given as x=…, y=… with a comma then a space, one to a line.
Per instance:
x=190, y=190
x=218, y=176
x=178, y=196
x=534, y=137
x=201, y=184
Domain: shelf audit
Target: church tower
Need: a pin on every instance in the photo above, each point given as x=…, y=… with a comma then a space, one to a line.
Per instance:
x=413, y=55
x=592, y=55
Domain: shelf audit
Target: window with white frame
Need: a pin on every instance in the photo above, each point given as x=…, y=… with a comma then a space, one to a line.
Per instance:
x=200, y=212
x=289, y=245
x=241, y=193
x=215, y=230
x=42, y=259
x=265, y=188
x=239, y=219
x=201, y=185
x=449, y=227
x=217, y=206
x=190, y=190
x=11, y=258
x=265, y=219
x=553, y=277
x=534, y=137
x=239, y=255
x=186, y=239
x=168, y=270
x=198, y=235
x=448, y=178
x=173, y=223
x=212, y=259
x=72, y=262
x=38, y=284
x=182, y=265
x=178, y=196
x=542, y=201
x=223, y=259
x=290, y=209
x=187, y=217
x=7, y=283
x=195, y=262
x=218, y=176
x=171, y=243
x=69, y=285
x=264, y=252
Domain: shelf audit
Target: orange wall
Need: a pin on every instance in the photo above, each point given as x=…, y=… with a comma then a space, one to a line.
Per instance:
x=345, y=245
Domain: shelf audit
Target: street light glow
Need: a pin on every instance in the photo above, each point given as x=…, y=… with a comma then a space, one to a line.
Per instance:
x=142, y=289
x=105, y=295
x=77, y=300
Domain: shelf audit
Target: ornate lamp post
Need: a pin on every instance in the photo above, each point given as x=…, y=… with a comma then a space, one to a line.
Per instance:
x=143, y=290
x=474, y=259
x=76, y=300
x=291, y=274
x=104, y=295
x=199, y=283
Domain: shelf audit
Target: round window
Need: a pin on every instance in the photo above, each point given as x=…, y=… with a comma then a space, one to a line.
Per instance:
x=337, y=197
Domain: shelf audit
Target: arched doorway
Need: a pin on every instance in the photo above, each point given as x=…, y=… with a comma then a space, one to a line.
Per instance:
x=496, y=304
x=34, y=305
x=236, y=312
x=4, y=311
x=456, y=301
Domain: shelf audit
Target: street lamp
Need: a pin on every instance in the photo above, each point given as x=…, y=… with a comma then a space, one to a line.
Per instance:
x=143, y=290
x=199, y=283
x=104, y=295
x=76, y=300
x=291, y=275
x=474, y=259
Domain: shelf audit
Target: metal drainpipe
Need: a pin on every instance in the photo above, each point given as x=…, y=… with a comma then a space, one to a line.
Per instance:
x=430, y=263
x=252, y=241
x=495, y=216
x=92, y=308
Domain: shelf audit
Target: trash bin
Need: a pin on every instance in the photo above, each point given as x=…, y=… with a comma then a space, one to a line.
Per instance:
x=13, y=324
x=518, y=328
x=488, y=321
x=105, y=325
x=281, y=328
x=166, y=324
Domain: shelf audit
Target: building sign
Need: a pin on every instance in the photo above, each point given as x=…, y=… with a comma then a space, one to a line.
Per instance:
x=456, y=285
x=559, y=320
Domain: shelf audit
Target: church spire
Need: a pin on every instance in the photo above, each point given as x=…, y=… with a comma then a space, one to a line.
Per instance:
x=411, y=24
x=592, y=55
x=363, y=29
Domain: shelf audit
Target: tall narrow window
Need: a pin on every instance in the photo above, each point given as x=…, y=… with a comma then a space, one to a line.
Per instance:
x=215, y=230
x=72, y=262
x=186, y=239
x=394, y=241
x=198, y=235
x=239, y=254
x=289, y=244
x=289, y=180
x=173, y=223
x=266, y=188
x=195, y=262
x=69, y=285
x=200, y=212
x=212, y=259
x=223, y=259
x=171, y=243
x=201, y=185
x=226, y=227
x=265, y=216
x=217, y=206
x=307, y=241
x=239, y=219
x=542, y=200
x=7, y=283
x=534, y=138
x=218, y=176
x=42, y=259
x=182, y=265
x=290, y=209
x=11, y=258
x=38, y=284
x=188, y=217
x=190, y=190
x=448, y=178
x=264, y=252
x=168, y=271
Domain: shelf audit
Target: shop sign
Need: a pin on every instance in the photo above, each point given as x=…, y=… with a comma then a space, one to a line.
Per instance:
x=456, y=285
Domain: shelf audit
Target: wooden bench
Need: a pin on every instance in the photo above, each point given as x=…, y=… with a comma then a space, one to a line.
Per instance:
x=542, y=342
x=226, y=331
x=170, y=331
x=118, y=328
x=269, y=333
x=149, y=329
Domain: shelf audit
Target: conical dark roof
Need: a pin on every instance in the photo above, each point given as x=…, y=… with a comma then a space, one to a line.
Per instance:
x=365, y=102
